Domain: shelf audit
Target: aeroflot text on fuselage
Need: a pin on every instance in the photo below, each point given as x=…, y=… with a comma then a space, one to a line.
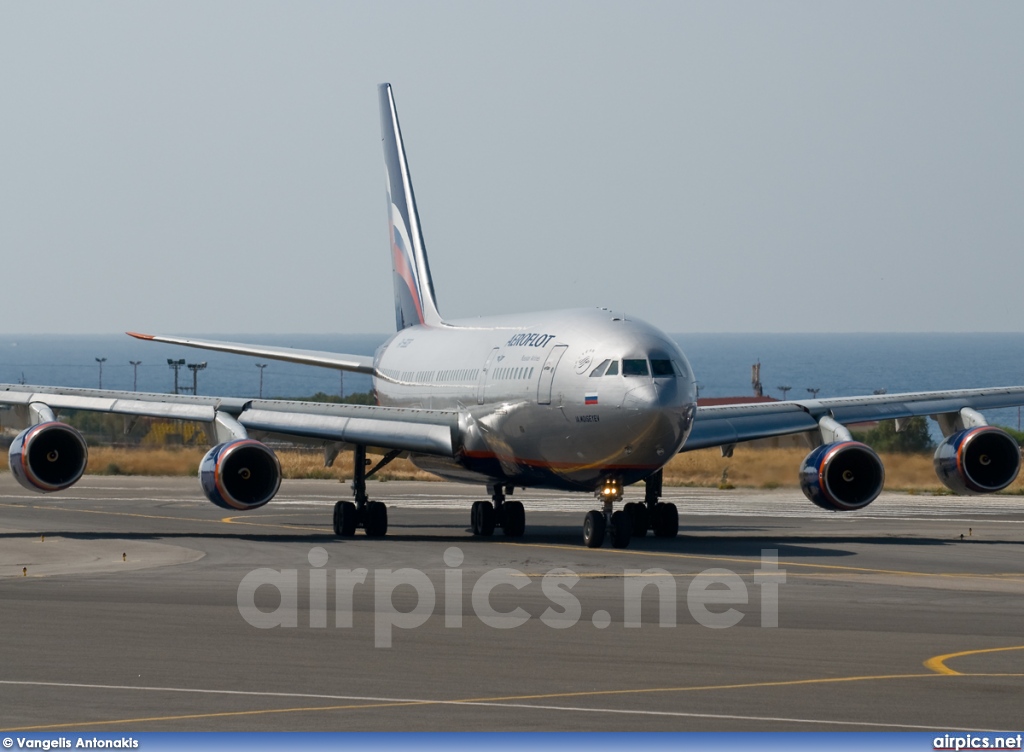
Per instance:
x=530, y=340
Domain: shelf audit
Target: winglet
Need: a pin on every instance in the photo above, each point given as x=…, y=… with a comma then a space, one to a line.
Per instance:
x=137, y=335
x=414, y=289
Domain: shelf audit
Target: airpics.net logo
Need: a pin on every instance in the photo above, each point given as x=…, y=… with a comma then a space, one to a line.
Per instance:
x=711, y=596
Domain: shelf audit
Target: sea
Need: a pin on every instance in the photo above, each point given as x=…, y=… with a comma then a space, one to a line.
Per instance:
x=835, y=364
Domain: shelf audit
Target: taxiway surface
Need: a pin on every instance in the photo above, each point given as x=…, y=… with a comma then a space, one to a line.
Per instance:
x=120, y=611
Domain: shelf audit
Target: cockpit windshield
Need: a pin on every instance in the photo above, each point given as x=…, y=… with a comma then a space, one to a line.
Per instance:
x=663, y=367
x=635, y=367
x=659, y=368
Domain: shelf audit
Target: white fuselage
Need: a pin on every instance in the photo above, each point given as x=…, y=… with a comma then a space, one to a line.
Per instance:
x=565, y=399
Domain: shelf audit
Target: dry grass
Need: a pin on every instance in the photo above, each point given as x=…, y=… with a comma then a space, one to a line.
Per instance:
x=185, y=461
x=121, y=461
x=298, y=464
x=748, y=468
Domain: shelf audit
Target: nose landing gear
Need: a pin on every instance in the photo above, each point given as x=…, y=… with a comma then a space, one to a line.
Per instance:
x=619, y=525
x=635, y=518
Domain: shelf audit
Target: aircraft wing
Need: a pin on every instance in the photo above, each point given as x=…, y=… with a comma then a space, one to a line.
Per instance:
x=721, y=425
x=426, y=431
x=357, y=363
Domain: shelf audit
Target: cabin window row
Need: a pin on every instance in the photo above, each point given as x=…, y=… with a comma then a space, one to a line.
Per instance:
x=427, y=377
x=509, y=374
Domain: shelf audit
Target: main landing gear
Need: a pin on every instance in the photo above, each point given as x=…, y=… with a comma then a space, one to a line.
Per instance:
x=635, y=518
x=372, y=516
x=508, y=515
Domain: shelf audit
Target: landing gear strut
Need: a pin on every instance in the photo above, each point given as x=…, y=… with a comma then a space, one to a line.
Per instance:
x=372, y=516
x=661, y=517
x=619, y=525
x=635, y=518
x=508, y=515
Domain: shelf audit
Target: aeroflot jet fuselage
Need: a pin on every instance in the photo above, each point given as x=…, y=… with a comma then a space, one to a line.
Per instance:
x=569, y=399
x=563, y=398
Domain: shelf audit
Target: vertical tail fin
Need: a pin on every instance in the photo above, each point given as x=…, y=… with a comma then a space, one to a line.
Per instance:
x=414, y=289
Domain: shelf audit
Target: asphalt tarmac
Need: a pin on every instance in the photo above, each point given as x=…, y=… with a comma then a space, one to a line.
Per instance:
x=132, y=604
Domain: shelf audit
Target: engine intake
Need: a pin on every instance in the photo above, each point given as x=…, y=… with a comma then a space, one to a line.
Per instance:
x=977, y=460
x=242, y=474
x=843, y=476
x=48, y=457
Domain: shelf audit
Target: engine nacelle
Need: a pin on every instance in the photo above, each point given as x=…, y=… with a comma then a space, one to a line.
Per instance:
x=48, y=456
x=977, y=460
x=843, y=476
x=242, y=474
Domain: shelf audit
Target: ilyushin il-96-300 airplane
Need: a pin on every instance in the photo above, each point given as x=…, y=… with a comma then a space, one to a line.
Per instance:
x=580, y=400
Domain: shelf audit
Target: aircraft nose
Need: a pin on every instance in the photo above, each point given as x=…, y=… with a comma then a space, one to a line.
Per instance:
x=641, y=397
x=660, y=395
x=661, y=416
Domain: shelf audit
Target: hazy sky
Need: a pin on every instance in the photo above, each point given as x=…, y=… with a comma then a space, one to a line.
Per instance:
x=720, y=166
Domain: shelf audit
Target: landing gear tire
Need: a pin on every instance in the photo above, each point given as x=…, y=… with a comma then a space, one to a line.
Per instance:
x=376, y=522
x=641, y=519
x=593, y=529
x=345, y=519
x=622, y=529
x=482, y=518
x=513, y=522
x=666, y=520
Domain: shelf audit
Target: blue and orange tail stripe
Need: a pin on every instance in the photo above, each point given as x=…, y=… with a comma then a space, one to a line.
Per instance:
x=414, y=289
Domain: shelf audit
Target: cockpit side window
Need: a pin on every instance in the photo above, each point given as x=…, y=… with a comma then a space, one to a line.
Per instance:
x=635, y=367
x=599, y=371
x=613, y=369
x=661, y=367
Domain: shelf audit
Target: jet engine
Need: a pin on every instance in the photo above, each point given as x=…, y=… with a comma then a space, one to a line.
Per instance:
x=48, y=456
x=242, y=474
x=977, y=460
x=843, y=476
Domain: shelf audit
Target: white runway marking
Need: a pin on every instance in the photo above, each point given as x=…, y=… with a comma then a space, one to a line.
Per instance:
x=692, y=502
x=495, y=704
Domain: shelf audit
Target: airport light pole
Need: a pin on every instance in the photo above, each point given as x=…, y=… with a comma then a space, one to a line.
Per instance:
x=135, y=374
x=195, y=368
x=784, y=390
x=101, y=361
x=261, y=366
x=174, y=365
x=813, y=392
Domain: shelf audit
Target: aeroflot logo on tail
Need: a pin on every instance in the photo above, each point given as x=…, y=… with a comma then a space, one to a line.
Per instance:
x=530, y=340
